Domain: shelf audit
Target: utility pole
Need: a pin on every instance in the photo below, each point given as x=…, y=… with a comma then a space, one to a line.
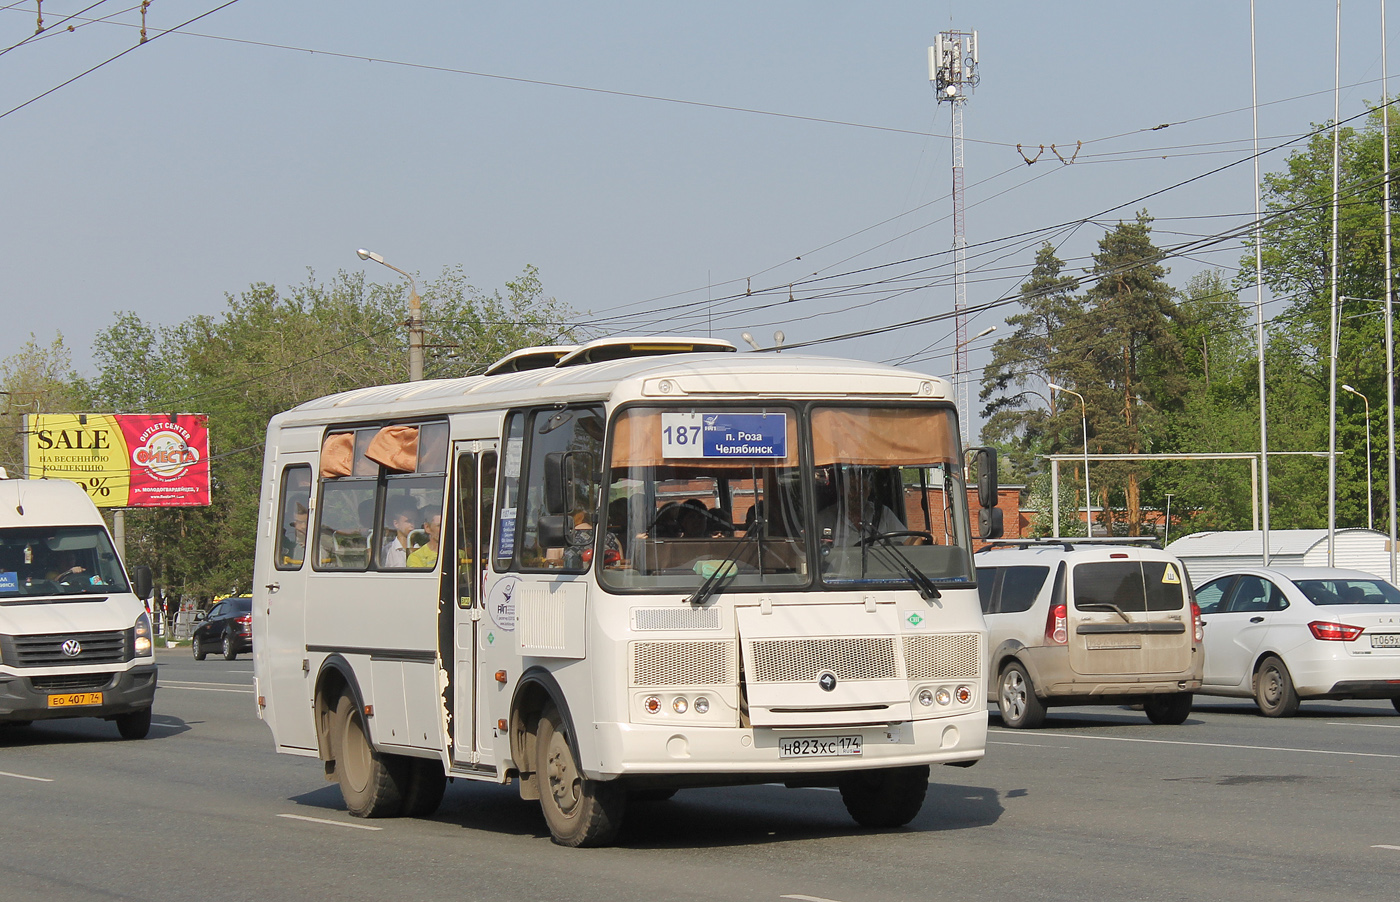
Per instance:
x=952, y=67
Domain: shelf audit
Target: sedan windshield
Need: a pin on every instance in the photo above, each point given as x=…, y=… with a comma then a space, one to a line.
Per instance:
x=62, y=560
x=1349, y=591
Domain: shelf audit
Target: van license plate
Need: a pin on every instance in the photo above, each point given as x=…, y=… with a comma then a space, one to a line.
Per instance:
x=75, y=699
x=818, y=746
x=1385, y=640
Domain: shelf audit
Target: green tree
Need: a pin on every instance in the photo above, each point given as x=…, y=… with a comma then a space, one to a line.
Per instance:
x=36, y=379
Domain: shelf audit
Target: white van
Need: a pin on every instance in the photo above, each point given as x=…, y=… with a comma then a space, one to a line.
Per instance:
x=75, y=639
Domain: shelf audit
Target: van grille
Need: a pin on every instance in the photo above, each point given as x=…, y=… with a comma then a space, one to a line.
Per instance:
x=76, y=682
x=47, y=651
x=941, y=657
x=803, y=660
x=683, y=664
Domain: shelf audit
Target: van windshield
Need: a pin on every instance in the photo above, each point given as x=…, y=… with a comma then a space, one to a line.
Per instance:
x=58, y=560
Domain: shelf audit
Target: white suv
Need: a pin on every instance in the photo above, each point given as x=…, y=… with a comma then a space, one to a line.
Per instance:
x=1081, y=621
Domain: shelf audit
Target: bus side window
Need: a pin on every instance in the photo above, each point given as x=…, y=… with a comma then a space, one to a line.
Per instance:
x=293, y=518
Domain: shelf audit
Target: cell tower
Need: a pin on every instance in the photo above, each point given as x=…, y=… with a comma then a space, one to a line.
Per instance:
x=952, y=67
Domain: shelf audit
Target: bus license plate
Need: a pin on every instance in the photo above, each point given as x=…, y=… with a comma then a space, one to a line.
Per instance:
x=1385, y=640
x=818, y=746
x=75, y=699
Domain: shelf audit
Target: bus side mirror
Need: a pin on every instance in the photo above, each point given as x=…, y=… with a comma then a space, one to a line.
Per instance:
x=990, y=522
x=986, y=467
x=141, y=576
x=554, y=484
x=554, y=531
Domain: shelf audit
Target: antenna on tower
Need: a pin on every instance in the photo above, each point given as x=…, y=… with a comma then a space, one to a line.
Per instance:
x=952, y=68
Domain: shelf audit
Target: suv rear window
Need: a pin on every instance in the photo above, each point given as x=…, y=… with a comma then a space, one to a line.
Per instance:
x=1129, y=585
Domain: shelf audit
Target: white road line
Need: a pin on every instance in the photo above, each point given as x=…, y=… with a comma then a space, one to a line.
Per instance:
x=807, y=898
x=4, y=773
x=1216, y=745
x=1383, y=726
x=206, y=689
x=205, y=683
x=1030, y=745
x=321, y=820
x=1391, y=848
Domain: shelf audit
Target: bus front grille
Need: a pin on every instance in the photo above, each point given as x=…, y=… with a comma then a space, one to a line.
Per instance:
x=684, y=663
x=804, y=660
x=948, y=656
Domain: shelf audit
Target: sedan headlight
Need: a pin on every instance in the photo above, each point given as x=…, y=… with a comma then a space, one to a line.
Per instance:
x=144, y=647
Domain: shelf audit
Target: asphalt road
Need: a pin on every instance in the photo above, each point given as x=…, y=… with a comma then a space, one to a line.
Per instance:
x=1098, y=805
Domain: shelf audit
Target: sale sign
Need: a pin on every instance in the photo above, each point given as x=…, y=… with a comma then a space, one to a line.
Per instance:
x=123, y=460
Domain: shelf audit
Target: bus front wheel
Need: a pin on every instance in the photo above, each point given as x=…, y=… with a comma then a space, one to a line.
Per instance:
x=371, y=782
x=889, y=797
x=579, y=811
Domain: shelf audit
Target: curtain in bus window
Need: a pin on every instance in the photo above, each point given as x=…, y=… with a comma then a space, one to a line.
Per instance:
x=882, y=436
x=337, y=453
x=396, y=448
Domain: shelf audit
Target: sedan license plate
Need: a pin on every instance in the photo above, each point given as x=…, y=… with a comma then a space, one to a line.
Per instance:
x=75, y=699
x=818, y=746
x=1385, y=640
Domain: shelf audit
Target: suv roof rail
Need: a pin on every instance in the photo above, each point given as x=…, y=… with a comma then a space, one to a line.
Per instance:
x=1068, y=543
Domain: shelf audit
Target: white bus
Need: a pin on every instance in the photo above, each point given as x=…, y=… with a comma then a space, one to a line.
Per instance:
x=615, y=570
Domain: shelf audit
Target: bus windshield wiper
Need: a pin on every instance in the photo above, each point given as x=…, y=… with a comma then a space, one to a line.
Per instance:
x=726, y=570
x=890, y=550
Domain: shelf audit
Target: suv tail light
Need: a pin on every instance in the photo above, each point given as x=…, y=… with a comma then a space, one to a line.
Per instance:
x=1335, y=632
x=1196, y=626
x=1057, y=625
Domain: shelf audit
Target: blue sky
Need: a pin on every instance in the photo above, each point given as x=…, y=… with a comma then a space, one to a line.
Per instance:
x=200, y=163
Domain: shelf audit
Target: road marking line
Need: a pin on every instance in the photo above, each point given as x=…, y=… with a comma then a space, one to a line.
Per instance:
x=1216, y=745
x=321, y=820
x=206, y=689
x=1391, y=848
x=807, y=898
x=5, y=773
x=1383, y=726
x=1030, y=745
x=204, y=683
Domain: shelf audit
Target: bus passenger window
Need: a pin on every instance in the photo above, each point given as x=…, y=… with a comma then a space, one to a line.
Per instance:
x=293, y=519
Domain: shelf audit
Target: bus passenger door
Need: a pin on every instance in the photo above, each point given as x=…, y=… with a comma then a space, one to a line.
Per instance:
x=474, y=486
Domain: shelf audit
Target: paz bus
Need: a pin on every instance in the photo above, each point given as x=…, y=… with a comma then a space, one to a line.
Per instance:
x=611, y=571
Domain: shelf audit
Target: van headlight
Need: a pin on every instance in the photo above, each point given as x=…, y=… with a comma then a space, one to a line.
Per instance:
x=143, y=636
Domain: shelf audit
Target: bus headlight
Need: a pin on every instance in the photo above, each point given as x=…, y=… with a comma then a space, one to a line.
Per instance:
x=679, y=704
x=143, y=645
x=925, y=697
x=702, y=705
x=943, y=696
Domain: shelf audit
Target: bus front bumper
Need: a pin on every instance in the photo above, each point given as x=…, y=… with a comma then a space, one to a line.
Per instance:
x=627, y=749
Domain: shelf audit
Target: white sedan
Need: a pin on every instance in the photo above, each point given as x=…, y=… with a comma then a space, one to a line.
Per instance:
x=1290, y=633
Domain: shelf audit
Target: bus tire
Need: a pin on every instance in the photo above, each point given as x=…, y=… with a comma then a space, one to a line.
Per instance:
x=885, y=798
x=579, y=811
x=427, y=782
x=371, y=783
x=135, y=725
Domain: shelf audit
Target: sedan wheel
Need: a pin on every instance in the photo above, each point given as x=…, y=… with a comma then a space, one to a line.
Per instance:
x=1273, y=689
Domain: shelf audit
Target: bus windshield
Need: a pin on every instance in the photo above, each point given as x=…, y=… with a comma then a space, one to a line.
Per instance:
x=869, y=496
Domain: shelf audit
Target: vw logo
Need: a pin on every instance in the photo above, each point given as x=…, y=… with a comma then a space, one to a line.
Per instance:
x=827, y=681
x=72, y=648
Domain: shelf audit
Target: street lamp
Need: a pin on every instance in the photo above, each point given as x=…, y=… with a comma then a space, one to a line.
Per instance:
x=415, y=317
x=1370, y=520
x=1084, y=418
x=957, y=352
x=1167, y=536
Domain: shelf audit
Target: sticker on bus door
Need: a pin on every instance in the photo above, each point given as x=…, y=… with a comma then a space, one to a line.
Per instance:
x=724, y=435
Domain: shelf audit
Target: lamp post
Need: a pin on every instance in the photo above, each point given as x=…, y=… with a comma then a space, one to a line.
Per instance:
x=415, y=317
x=1084, y=418
x=957, y=348
x=1370, y=519
x=1167, y=535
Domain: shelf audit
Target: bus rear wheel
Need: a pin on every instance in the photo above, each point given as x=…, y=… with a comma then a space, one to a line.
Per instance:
x=885, y=798
x=372, y=783
x=427, y=782
x=579, y=811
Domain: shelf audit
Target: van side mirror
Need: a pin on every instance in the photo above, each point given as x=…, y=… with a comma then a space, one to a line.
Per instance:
x=985, y=464
x=141, y=576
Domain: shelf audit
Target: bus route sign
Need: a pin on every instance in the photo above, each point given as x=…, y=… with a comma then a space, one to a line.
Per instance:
x=724, y=435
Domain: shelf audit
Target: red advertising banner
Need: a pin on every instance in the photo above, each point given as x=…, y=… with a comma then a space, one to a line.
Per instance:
x=169, y=459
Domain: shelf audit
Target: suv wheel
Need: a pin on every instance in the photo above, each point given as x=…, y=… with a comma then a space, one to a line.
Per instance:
x=1168, y=709
x=1020, y=709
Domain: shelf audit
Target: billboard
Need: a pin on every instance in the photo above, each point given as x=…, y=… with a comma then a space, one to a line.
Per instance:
x=123, y=459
